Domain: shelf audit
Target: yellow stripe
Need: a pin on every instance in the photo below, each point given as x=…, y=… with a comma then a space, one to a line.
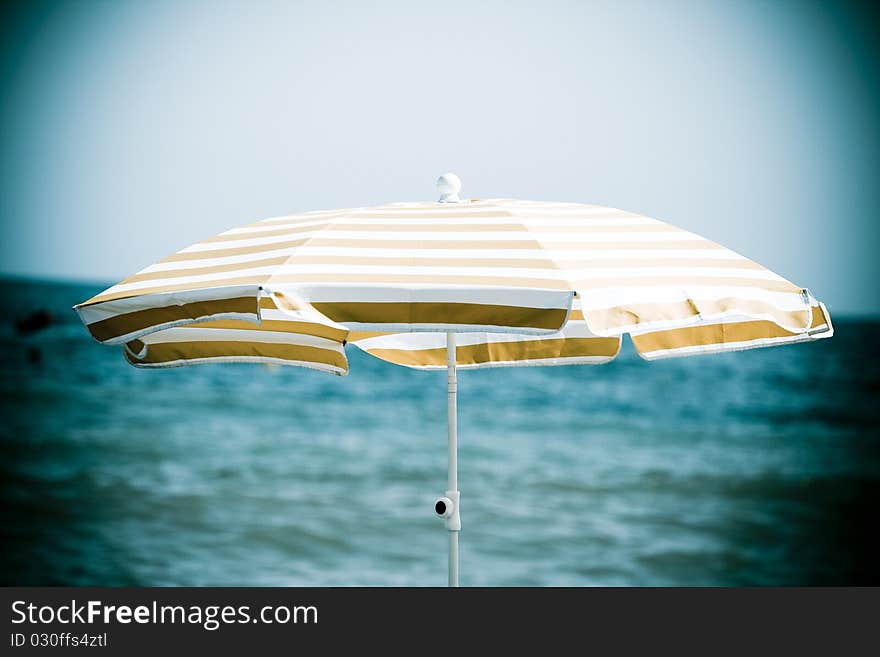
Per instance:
x=254, y=234
x=494, y=352
x=410, y=261
x=186, y=256
x=613, y=318
x=113, y=327
x=443, y=313
x=267, y=303
x=587, y=229
x=713, y=334
x=135, y=345
x=173, y=351
x=631, y=246
x=631, y=263
x=314, y=215
x=201, y=271
x=354, y=336
x=223, y=282
x=820, y=318
x=585, y=284
x=708, y=335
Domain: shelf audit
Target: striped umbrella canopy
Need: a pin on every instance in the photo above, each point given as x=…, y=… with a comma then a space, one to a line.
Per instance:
x=452, y=284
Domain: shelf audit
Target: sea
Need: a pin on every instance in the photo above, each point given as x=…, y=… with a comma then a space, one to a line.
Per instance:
x=747, y=468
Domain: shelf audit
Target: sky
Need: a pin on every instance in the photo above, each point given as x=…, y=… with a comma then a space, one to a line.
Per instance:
x=132, y=129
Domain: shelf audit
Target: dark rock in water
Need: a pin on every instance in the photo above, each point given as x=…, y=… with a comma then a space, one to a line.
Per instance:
x=34, y=355
x=34, y=322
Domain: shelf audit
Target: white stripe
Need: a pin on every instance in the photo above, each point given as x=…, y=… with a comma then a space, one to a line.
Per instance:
x=468, y=208
x=553, y=255
x=505, y=205
x=576, y=360
x=289, y=316
x=201, y=278
x=444, y=327
x=208, y=262
x=244, y=260
x=547, y=272
x=197, y=334
x=403, y=293
x=255, y=241
x=429, y=236
x=322, y=367
x=574, y=239
x=698, y=273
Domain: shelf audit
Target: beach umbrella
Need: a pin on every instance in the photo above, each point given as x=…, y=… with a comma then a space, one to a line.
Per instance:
x=453, y=284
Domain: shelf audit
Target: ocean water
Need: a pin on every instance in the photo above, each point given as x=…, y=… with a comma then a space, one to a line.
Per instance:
x=749, y=468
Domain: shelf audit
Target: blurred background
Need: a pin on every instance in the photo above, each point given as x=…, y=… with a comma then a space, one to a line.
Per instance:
x=131, y=129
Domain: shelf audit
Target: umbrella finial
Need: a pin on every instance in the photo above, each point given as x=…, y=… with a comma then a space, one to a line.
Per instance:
x=449, y=185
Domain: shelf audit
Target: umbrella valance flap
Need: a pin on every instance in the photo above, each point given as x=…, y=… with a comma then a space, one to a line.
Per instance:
x=231, y=324
x=573, y=345
x=576, y=344
x=116, y=318
x=729, y=334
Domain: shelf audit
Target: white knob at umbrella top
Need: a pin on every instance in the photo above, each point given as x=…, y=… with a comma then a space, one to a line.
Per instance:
x=448, y=185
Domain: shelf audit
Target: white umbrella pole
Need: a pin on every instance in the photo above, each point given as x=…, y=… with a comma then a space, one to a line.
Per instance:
x=450, y=511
